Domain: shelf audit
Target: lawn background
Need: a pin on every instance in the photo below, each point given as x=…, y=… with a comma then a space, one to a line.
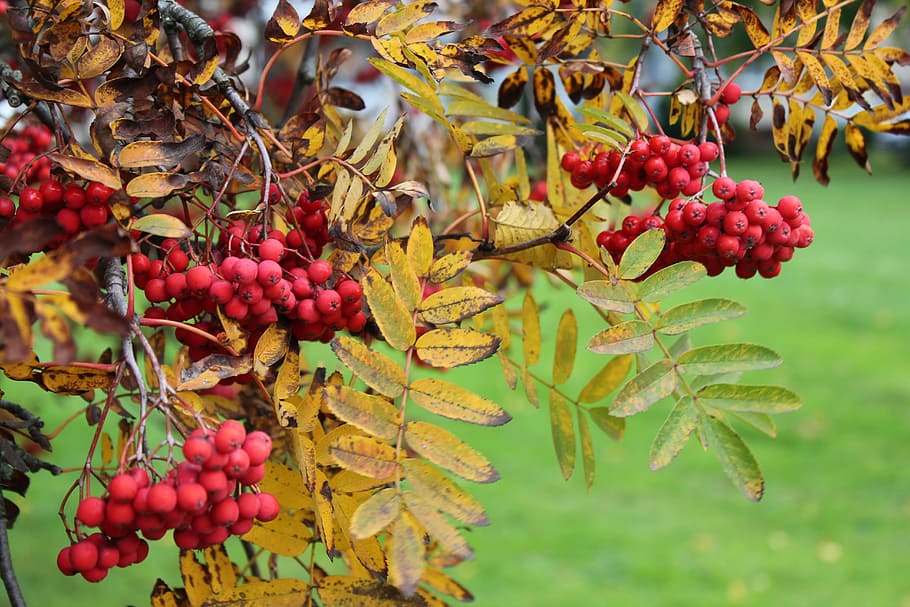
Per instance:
x=833, y=528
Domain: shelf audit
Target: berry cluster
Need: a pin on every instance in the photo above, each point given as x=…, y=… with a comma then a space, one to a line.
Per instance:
x=740, y=230
x=257, y=277
x=672, y=169
x=24, y=145
x=72, y=206
x=201, y=499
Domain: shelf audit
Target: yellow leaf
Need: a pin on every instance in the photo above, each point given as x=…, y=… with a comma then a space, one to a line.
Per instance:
x=566, y=345
x=530, y=329
x=107, y=449
x=856, y=145
x=455, y=402
x=376, y=369
x=367, y=12
x=530, y=387
x=340, y=590
x=322, y=507
x=404, y=278
x=166, y=154
x=453, y=347
x=271, y=347
x=664, y=14
x=63, y=96
x=305, y=456
x=284, y=23
x=449, y=266
x=448, y=451
x=518, y=223
x=455, y=304
x=587, y=450
x=403, y=17
x=440, y=491
x=162, y=224
x=420, y=247
x=196, y=580
x=156, y=185
x=607, y=379
x=375, y=514
x=563, y=431
x=406, y=554
x=285, y=484
x=443, y=584
x=163, y=596
x=369, y=139
x=281, y=592
x=408, y=80
x=236, y=334
x=287, y=383
x=74, y=380
x=364, y=455
x=287, y=535
x=220, y=567
x=389, y=312
x=89, y=169
x=446, y=535
x=372, y=414
x=207, y=372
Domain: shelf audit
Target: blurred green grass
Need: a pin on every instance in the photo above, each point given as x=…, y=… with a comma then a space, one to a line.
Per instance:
x=832, y=529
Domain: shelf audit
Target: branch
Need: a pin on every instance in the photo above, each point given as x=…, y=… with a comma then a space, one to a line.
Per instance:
x=13, y=591
x=306, y=75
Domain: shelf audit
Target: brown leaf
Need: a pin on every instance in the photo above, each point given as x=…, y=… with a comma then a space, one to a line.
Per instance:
x=89, y=169
x=163, y=154
x=512, y=87
x=320, y=16
x=525, y=23
x=284, y=23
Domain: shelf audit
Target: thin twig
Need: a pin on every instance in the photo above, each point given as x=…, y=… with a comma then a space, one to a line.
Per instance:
x=13, y=591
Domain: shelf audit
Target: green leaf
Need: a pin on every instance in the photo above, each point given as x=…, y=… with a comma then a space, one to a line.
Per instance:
x=735, y=457
x=606, y=295
x=686, y=317
x=670, y=279
x=674, y=433
x=641, y=254
x=624, y=338
x=645, y=389
x=756, y=399
x=602, y=135
x=729, y=358
x=762, y=422
x=563, y=431
x=612, y=426
x=608, y=119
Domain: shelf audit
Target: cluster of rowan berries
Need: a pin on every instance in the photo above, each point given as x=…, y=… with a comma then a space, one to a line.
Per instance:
x=670, y=168
x=740, y=230
x=72, y=206
x=257, y=277
x=25, y=145
x=201, y=499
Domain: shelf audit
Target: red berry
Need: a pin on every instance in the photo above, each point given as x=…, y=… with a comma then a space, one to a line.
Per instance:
x=119, y=514
x=630, y=226
x=319, y=271
x=746, y=268
x=69, y=220
x=253, y=475
x=570, y=160
x=98, y=193
x=31, y=200
x=74, y=196
x=328, y=301
x=7, y=207
x=93, y=215
x=176, y=286
x=243, y=525
x=52, y=193
x=251, y=293
x=639, y=151
x=94, y=575
x=186, y=539
x=350, y=291
x=675, y=221
x=806, y=236
x=244, y=271
x=156, y=291
x=248, y=505
x=123, y=488
x=731, y=93
x=272, y=249
x=192, y=497
x=724, y=188
x=221, y=291
x=722, y=113
x=727, y=246
x=708, y=151
x=83, y=556
x=689, y=153
x=214, y=481
x=236, y=308
x=656, y=169
x=197, y=449
x=789, y=207
x=269, y=508
x=199, y=279
x=64, y=564
x=769, y=268
x=226, y=512
x=753, y=236
x=694, y=213
x=707, y=236
x=162, y=498
x=679, y=177
x=108, y=556
x=659, y=144
x=229, y=436
x=268, y=272
x=91, y=511
x=735, y=222
x=748, y=190
x=238, y=463
x=258, y=445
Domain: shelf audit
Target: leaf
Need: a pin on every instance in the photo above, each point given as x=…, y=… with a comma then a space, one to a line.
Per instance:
x=389, y=312
x=817, y=71
x=400, y=19
x=757, y=33
x=375, y=514
x=420, y=246
x=66, y=379
x=162, y=224
x=449, y=452
x=623, y=338
x=518, y=223
x=284, y=23
x=664, y=14
x=439, y=490
x=563, y=431
x=735, y=457
x=636, y=112
x=645, y=389
x=89, y=169
x=156, y=185
x=606, y=295
x=343, y=590
x=438, y=528
x=617, y=124
x=63, y=96
x=566, y=346
x=755, y=399
x=530, y=330
x=286, y=484
x=667, y=281
x=641, y=254
x=860, y=25
x=686, y=317
x=525, y=23
x=449, y=266
x=454, y=347
x=367, y=12
x=406, y=554
x=364, y=455
x=494, y=145
x=425, y=32
x=510, y=90
x=196, y=579
x=455, y=304
x=674, y=433
x=287, y=535
x=372, y=414
x=728, y=358
x=207, y=372
x=612, y=426
x=856, y=145
x=369, y=139
x=456, y=402
x=409, y=81
x=165, y=154
x=376, y=369
x=823, y=149
x=280, y=592
x=884, y=29
x=606, y=380
x=587, y=449
x=404, y=278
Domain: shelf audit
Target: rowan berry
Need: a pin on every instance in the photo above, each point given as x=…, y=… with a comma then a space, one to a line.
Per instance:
x=268, y=272
x=31, y=200
x=90, y=511
x=769, y=268
x=7, y=207
x=175, y=285
x=675, y=220
x=251, y=293
x=319, y=271
x=748, y=190
x=707, y=236
x=253, y=475
x=727, y=246
x=162, y=498
x=244, y=271
x=238, y=463
x=192, y=497
x=123, y=488
x=93, y=215
x=236, y=308
x=708, y=151
x=724, y=188
x=655, y=168
x=694, y=214
x=229, y=436
x=570, y=160
x=98, y=193
x=269, y=508
x=789, y=207
x=156, y=290
x=83, y=556
x=68, y=219
x=197, y=449
x=328, y=301
x=94, y=575
x=226, y=512
x=74, y=196
x=722, y=113
x=64, y=564
x=731, y=93
x=735, y=223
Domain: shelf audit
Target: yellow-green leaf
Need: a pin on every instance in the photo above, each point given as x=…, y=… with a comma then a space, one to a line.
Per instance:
x=449, y=452
x=364, y=455
x=454, y=347
x=530, y=329
x=623, y=338
x=372, y=414
x=670, y=279
x=606, y=295
x=674, y=433
x=455, y=304
x=420, y=247
x=376, y=369
x=587, y=449
x=612, y=426
x=735, y=457
x=607, y=379
x=446, y=535
x=403, y=17
x=375, y=514
x=162, y=224
x=728, y=358
x=456, y=402
x=566, y=346
x=406, y=554
x=156, y=185
x=645, y=389
x=449, y=266
x=686, y=317
x=756, y=399
x=404, y=278
x=641, y=254
x=440, y=491
x=389, y=311
x=196, y=579
x=563, y=431
x=636, y=112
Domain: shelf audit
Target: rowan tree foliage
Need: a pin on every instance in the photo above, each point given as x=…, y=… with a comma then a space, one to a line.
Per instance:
x=214, y=202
